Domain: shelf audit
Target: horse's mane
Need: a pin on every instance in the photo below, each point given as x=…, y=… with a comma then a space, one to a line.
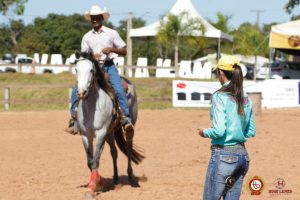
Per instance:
x=99, y=73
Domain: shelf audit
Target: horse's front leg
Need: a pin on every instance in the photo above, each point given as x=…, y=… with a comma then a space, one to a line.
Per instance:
x=95, y=179
x=87, y=140
x=114, y=154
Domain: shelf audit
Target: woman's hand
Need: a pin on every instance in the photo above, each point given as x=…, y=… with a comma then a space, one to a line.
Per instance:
x=200, y=132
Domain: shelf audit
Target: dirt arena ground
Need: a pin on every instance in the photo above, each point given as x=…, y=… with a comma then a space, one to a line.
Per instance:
x=38, y=160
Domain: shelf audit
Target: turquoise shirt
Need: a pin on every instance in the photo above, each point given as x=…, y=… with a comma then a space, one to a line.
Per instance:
x=228, y=127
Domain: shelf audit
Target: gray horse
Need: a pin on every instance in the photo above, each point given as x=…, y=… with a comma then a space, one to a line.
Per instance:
x=97, y=117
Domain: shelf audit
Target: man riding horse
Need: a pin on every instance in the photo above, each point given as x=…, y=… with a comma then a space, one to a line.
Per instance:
x=102, y=42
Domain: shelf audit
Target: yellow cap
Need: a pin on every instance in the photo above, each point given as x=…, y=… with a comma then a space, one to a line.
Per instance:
x=227, y=63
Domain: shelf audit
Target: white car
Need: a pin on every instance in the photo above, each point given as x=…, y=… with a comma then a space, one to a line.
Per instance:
x=280, y=70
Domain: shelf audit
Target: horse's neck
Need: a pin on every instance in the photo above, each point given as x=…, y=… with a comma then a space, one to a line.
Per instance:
x=95, y=93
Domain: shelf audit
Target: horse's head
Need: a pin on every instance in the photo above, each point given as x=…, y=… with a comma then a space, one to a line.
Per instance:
x=85, y=72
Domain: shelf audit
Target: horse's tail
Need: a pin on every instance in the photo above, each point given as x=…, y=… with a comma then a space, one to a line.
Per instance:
x=136, y=153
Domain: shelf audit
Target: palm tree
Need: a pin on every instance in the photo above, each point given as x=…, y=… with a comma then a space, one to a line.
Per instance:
x=174, y=28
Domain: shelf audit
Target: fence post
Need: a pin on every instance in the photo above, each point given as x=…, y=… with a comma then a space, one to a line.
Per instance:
x=6, y=98
x=70, y=68
x=70, y=96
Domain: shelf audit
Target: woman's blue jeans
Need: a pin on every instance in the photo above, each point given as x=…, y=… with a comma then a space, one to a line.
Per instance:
x=116, y=83
x=225, y=173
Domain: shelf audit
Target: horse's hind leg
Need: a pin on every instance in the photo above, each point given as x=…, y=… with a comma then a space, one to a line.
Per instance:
x=114, y=154
x=129, y=138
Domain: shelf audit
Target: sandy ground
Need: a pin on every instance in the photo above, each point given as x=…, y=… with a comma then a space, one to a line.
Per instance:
x=38, y=160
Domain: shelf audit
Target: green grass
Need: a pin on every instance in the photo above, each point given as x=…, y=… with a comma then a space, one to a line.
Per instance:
x=24, y=99
x=153, y=93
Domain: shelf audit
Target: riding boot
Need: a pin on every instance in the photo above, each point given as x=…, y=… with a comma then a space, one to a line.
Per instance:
x=126, y=124
x=73, y=127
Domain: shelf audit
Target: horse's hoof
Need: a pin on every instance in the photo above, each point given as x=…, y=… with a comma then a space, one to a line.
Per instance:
x=116, y=180
x=97, y=186
x=133, y=180
x=89, y=195
x=96, y=181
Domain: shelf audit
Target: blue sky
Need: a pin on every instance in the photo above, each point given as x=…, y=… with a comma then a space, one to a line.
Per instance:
x=151, y=10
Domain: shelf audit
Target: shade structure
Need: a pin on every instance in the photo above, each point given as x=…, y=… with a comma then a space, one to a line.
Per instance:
x=179, y=7
x=286, y=37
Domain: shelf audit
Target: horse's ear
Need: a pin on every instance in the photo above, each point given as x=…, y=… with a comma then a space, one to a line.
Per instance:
x=77, y=54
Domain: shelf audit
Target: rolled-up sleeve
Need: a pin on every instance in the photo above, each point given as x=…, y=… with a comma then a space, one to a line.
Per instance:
x=218, y=119
x=118, y=42
x=84, y=44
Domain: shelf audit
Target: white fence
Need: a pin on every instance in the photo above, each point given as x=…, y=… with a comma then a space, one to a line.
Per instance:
x=163, y=68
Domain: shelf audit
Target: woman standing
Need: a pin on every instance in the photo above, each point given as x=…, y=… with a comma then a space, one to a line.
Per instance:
x=232, y=123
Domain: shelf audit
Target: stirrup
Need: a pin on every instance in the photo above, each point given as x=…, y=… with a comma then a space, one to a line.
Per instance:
x=73, y=127
x=127, y=126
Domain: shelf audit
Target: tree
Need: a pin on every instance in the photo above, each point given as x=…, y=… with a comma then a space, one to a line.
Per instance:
x=54, y=34
x=296, y=17
x=5, y=41
x=19, y=6
x=141, y=48
x=16, y=29
x=291, y=4
x=174, y=28
x=248, y=40
x=222, y=22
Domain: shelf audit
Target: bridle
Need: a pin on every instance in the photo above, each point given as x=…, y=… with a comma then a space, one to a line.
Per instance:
x=91, y=83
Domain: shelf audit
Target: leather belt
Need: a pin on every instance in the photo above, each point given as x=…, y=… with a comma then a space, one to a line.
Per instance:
x=108, y=63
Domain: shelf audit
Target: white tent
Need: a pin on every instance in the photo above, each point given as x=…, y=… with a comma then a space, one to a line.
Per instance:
x=179, y=7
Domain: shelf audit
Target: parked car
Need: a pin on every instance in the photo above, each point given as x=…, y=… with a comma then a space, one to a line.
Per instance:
x=26, y=63
x=22, y=60
x=11, y=68
x=8, y=58
x=250, y=72
x=280, y=70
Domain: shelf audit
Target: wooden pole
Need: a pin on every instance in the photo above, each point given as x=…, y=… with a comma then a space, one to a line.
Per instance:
x=6, y=98
x=70, y=96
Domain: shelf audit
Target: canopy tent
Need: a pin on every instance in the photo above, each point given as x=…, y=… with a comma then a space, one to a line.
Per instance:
x=286, y=37
x=179, y=7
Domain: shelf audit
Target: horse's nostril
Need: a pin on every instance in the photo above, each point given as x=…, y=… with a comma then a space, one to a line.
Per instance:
x=81, y=93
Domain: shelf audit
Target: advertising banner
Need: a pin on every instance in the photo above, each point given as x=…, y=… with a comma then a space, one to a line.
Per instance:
x=274, y=93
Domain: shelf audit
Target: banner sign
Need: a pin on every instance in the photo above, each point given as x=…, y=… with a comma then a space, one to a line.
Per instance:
x=275, y=93
x=281, y=93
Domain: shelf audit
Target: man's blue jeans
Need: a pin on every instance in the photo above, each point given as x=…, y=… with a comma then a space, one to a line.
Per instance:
x=116, y=83
x=226, y=171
